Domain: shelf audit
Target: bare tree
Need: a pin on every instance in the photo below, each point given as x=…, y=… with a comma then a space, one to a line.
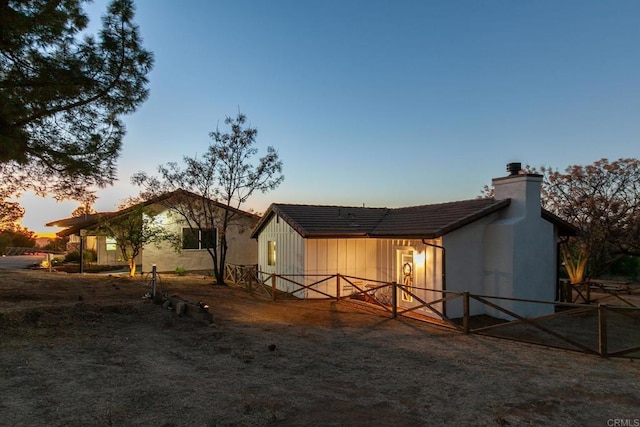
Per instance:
x=134, y=226
x=207, y=192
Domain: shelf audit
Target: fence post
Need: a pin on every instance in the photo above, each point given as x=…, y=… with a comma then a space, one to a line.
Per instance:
x=338, y=287
x=273, y=286
x=602, y=330
x=154, y=272
x=394, y=299
x=465, y=309
x=250, y=284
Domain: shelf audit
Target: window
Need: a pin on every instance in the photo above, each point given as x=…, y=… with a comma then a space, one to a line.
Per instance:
x=271, y=252
x=111, y=244
x=192, y=238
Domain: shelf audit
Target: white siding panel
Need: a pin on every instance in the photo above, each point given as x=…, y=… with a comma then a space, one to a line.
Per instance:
x=290, y=252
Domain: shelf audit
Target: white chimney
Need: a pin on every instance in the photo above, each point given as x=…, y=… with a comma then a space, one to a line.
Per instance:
x=522, y=188
x=520, y=247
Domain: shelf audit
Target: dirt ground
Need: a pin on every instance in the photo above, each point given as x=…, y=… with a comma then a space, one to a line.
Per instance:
x=89, y=350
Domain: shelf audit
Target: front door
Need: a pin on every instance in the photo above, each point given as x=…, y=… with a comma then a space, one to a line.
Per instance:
x=405, y=276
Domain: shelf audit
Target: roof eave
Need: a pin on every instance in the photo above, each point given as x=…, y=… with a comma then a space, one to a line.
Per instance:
x=565, y=228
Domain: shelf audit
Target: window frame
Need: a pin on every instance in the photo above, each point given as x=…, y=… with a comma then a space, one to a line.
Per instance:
x=199, y=239
x=271, y=252
x=110, y=244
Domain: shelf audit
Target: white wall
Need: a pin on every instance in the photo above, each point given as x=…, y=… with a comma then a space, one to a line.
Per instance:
x=465, y=264
x=520, y=253
x=290, y=251
x=366, y=261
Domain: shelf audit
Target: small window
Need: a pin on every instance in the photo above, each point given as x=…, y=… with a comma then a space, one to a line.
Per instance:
x=111, y=244
x=208, y=238
x=192, y=238
x=271, y=252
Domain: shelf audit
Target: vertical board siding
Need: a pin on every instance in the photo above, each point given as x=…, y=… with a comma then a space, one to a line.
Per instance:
x=368, y=259
x=290, y=253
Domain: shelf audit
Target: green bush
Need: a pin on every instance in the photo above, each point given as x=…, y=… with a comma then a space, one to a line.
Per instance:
x=90, y=255
x=180, y=271
x=74, y=256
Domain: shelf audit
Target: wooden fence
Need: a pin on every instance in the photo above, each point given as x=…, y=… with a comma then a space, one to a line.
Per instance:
x=605, y=330
x=600, y=290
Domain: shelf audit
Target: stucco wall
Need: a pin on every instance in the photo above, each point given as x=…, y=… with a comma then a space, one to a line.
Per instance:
x=522, y=264
x=520, y=253
x=241, y=248
x=465, y=257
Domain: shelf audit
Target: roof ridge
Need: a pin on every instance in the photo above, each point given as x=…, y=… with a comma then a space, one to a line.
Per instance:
x=328, y=206
x=492, y=199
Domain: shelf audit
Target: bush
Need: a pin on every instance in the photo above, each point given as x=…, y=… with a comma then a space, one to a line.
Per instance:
x=180, y=271
x=90, y=255
x=74, y=256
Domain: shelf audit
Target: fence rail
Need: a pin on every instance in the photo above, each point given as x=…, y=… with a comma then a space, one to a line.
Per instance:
x=16, y=250
x=597, y=329
x=600, y=290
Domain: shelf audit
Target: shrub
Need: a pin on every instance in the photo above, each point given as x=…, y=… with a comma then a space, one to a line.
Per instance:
x=89, y=255
x=73, y=256
x=180, y=271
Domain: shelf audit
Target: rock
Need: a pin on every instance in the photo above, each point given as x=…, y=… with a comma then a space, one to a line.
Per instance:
x=180, y=308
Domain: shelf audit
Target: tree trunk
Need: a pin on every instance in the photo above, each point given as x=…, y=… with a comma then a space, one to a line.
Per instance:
x=221, y=261
x=132, y=267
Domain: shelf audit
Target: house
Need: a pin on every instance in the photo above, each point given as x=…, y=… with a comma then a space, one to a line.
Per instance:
x=192, y=254
x=504, y=246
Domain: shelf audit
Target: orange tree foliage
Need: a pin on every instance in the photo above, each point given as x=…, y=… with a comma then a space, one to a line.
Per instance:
x=603, y=201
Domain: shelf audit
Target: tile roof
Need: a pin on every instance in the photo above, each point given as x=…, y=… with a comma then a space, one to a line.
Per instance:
x=329, y=221
x=91, y=221
x=431, y=221
x=427, y=221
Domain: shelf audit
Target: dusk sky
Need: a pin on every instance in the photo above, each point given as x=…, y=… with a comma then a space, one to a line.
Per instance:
x=383, y=103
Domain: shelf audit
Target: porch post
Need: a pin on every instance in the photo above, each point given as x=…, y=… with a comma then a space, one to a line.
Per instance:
x=154, y=271
x=602, y=329
x=465, y=308
x=82, y=234
x=338, y=287
x=273, y=286
x=394, y=300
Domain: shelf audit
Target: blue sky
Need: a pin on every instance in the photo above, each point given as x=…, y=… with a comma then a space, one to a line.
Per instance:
x=383, y=103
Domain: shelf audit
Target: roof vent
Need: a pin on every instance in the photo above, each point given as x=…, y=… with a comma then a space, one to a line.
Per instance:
x=514, y=168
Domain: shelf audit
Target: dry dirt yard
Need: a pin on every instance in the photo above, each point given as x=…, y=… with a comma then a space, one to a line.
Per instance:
x=80, y=350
